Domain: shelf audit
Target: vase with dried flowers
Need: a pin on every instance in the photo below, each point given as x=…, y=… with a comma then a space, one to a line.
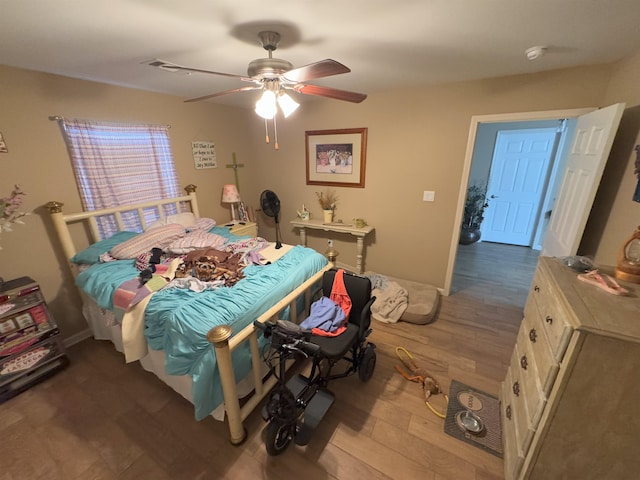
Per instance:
x=9, y=210
x=328, y=202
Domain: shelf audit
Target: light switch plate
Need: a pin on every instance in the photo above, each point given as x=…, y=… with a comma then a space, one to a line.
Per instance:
x=428, y=196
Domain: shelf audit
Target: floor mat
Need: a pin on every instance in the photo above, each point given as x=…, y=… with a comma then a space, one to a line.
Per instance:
x=463, y=398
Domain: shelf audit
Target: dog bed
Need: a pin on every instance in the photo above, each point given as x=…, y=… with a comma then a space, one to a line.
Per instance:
x=423, y=301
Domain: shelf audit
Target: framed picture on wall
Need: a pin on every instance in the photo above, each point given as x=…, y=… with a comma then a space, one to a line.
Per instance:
x=336, y=157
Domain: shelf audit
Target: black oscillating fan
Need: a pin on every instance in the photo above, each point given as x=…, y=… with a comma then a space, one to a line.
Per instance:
x=270, y=204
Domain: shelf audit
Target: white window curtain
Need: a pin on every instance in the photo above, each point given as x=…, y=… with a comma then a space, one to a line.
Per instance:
x=119, y=164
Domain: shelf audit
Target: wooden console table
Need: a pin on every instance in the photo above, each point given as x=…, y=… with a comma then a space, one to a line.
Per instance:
x=359, y=233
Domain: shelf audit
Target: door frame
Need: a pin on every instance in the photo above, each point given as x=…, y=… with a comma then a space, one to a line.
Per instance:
x=466, y=169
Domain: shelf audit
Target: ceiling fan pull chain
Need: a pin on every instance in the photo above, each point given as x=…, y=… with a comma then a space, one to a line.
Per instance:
x=266, y=131
x=275, y=131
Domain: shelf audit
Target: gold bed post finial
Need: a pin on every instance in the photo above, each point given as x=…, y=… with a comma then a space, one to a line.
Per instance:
x=331, y=253
x=54, y=207
x=219, y=335
x=55, y=210
x=191, y=188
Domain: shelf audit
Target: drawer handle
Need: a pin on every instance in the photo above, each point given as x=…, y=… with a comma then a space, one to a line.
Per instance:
x=523, y=362
x=533, y=336
x=536, y=288
x=508, y=412
x=549, y=320
x=516, y=389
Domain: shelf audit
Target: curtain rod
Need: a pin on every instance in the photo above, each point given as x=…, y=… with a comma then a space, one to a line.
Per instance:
x=57, y=118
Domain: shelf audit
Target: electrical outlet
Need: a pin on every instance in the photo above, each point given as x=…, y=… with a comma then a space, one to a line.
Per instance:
x=428, y=196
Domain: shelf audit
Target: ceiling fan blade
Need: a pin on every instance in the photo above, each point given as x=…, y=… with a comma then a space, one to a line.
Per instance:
x=323, y=68
x=172, y=67
x=226, y=92
x=329, y=92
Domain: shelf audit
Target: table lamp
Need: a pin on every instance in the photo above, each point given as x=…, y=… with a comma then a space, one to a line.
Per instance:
x=230, y=195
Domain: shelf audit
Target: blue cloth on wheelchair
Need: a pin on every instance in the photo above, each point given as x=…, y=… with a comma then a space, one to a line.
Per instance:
x=325, y=315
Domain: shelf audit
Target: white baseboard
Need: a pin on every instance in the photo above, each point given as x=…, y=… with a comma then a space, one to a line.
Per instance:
x=77, y=338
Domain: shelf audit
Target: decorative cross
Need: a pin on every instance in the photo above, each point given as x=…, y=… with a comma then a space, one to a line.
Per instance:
x=235, y=167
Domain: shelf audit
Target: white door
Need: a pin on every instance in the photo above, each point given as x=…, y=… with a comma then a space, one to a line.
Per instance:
x=517, y=182
x=591, y=146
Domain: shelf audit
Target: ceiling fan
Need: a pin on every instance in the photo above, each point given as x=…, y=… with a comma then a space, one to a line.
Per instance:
x=276, y=75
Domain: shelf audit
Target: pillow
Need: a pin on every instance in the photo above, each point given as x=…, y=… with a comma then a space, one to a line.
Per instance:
x=92, y=254
x=158, y=237
x=195, y=241
x=186, y=219
x=205, y=224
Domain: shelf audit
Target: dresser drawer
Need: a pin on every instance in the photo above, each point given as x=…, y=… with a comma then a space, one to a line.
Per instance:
x=527, y=375
x=525, y=388
x=553, y=317
x=513, y=457
x=535, y=345
x=516, y=395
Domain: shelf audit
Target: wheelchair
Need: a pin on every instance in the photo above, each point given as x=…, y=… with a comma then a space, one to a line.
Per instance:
x=294, y=408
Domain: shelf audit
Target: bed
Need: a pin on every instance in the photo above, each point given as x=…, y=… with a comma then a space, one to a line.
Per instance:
x=201, y=343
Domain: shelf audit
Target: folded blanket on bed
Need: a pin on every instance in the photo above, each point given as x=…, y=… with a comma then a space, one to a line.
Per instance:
x=391, y=302
x=129, y=303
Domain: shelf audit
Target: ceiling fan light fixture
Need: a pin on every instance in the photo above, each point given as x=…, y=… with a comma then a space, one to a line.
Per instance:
x=287, y=104
x=266, y=106
x=273, y=75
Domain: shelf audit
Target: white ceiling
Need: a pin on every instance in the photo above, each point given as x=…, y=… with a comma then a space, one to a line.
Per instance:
x=388, y=44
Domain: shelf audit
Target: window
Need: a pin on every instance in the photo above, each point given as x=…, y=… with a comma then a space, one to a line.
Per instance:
x=121, y=164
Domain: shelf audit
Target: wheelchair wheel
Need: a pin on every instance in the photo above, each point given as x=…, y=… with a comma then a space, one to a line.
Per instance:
x=278, y=437
x=281, y=405
x=367, y=363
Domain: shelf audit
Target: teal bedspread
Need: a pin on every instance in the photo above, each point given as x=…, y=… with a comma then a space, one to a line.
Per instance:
x=177, y=320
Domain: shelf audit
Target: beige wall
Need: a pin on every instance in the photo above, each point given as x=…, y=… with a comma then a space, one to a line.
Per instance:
x=417, y=141
x=615, y=216
x=38, y=161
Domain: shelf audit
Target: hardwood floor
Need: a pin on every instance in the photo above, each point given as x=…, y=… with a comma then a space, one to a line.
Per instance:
x=495, y=272
x=103, y=419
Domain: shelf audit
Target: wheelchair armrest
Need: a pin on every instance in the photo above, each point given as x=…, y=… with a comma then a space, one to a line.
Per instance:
x=365, y=316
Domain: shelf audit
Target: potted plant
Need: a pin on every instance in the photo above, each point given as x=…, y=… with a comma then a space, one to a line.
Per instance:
x=327, y=200
x=473, y=216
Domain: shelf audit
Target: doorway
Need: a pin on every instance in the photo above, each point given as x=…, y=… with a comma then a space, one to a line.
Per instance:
x=517, y=162
x=520, y=120
x=594, y=135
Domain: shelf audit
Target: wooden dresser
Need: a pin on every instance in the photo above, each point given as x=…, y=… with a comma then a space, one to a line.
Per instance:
x=570, y=401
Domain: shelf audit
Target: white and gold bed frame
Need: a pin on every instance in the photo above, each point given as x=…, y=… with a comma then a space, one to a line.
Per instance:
x=221, y=336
